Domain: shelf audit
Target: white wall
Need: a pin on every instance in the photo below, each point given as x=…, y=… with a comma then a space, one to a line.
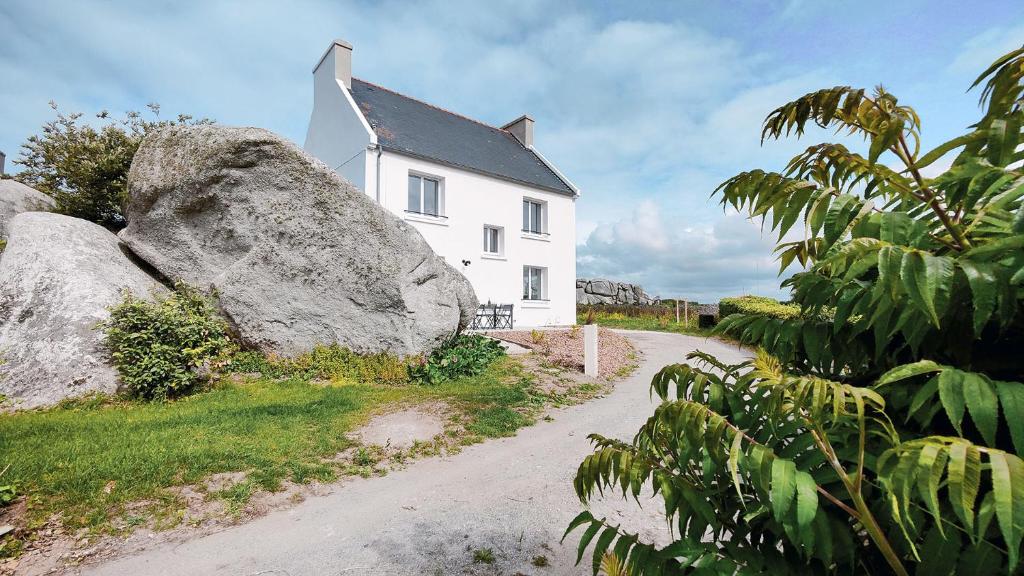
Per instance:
x=473, y=200
x=338, y=135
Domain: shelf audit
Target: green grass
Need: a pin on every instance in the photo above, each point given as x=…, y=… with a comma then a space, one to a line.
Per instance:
x=664, y=324
x=89, y=459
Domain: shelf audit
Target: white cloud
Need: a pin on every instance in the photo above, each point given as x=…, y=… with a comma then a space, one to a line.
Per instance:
x=699, y=260
x=983, y=49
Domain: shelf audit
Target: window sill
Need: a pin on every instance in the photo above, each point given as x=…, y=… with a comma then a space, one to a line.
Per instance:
x=426, y=219
x=536, y=304
x=543, y=237
x=489, y=256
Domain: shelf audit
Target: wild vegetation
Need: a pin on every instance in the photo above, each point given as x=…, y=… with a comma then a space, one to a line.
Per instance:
x=757, y=306
x=658, y=318
x=84, y=167
x=878, y=431
x=158, y=347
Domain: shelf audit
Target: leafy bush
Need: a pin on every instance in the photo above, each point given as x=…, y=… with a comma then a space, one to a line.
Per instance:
x=462, y=355
x=866, y=435
x=757, y=306
x=158, y=346
x=85, y=169
x=325, y=363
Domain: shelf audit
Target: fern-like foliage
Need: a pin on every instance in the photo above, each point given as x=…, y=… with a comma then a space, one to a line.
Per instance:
x=879, y=430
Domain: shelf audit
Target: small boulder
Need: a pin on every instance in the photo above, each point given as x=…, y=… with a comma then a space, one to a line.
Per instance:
x=16, y=198
x=295, y=255
x=58, y=277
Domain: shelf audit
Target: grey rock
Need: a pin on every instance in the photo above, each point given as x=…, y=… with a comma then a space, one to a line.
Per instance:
x=16, y=198
x=602, y=288
x=295, y=254
x=58, y=277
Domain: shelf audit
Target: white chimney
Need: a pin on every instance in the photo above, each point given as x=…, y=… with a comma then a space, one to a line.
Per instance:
x=522, y=129
x=337, y=60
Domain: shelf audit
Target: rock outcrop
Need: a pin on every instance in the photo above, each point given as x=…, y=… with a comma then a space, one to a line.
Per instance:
x=16, y=198
x=602, y=291
x=295, y=255
x=58, y=276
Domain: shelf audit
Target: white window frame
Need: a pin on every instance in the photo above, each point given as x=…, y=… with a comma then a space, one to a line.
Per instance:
x=543, y=273
x=499, y=250
x=416, y=212
x=528, y=222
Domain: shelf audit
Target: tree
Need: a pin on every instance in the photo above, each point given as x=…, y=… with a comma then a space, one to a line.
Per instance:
x=879, y=430
x=84, y=168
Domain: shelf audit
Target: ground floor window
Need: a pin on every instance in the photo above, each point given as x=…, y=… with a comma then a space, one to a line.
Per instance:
x=534, y=283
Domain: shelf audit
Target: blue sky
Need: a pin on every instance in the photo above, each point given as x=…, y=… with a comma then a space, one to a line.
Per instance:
x=645, y=106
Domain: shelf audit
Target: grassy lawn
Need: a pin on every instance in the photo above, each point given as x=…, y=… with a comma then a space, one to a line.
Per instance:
x=90, y=459
x=663, y=324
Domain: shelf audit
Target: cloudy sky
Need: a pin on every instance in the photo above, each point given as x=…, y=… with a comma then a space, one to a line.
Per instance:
x=645, y=106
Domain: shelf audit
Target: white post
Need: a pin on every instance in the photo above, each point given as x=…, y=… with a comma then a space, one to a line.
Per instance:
x=590, y=350
x=677, y=310
x=686, y=312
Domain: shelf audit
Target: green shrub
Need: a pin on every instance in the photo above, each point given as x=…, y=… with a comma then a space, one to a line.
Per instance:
x=879, y=431
x=758, y=306
x=158, y=346
x=332, y=362
x=8, y=492
x=461, y=355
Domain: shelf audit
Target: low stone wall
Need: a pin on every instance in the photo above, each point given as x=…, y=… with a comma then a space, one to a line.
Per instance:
x=601, y=291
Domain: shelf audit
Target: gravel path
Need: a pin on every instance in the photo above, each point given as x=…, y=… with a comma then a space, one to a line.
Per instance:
x=565, y=348
x=513, y=496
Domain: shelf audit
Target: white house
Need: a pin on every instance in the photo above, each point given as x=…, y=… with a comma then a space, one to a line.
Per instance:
x=481, y=196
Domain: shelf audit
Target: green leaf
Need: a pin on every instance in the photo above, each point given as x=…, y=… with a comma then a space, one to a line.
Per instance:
x=735, y=450
x=983, y=290
x=908, y=371
x=806, y=504
x=1008, y=488
x=952, y=397
x=588, y=535
x=579, y=520
x=603, y=541
x=913, y=274
x=983, y=404
x=964, y=479
x=783, y=487
x=1011, y=396
x=931, y=464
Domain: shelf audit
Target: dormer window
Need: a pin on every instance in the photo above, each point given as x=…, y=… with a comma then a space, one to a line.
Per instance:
x=425, y=195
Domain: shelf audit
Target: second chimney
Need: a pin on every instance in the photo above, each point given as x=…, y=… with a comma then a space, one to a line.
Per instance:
x=337, y=59
x=522, y=129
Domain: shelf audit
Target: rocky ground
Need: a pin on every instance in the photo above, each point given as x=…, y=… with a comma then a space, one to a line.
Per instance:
x=565, y=348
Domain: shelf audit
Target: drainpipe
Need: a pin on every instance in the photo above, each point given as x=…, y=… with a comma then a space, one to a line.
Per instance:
x=379, y=152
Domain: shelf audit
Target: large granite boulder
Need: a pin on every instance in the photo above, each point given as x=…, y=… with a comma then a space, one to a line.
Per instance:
x=295, y=255
x=58, y=277
x=16, y=198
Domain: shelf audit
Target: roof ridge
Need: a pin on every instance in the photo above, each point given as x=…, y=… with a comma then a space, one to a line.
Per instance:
x=435, y=107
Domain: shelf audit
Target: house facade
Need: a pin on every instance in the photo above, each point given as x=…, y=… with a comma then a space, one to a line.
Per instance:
x=482, y=196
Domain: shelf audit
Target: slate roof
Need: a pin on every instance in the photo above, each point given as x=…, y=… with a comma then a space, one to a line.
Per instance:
x=409, y=126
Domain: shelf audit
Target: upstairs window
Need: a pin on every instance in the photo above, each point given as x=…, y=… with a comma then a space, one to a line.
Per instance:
x=534, y=217
x=534, y=283
x=424, y=195
x=493, y=240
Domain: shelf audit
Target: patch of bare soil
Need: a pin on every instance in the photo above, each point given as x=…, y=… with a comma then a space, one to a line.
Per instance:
x=565, y=348
x=404, y=428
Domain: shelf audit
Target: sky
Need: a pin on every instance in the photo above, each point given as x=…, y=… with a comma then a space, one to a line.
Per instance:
x=645, y=106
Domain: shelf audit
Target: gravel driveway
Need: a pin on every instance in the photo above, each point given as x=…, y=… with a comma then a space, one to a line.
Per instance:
x=513, y=496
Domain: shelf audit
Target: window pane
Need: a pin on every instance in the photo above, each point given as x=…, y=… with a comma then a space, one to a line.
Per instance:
x=487, y=239
x=414, y=194
x=491, y=240
x=535, y=283
x=526, y=215
x=430, y=203
x=535, y=220
x=526, y=283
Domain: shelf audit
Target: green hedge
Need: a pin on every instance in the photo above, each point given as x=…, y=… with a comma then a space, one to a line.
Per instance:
x=758, y=305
